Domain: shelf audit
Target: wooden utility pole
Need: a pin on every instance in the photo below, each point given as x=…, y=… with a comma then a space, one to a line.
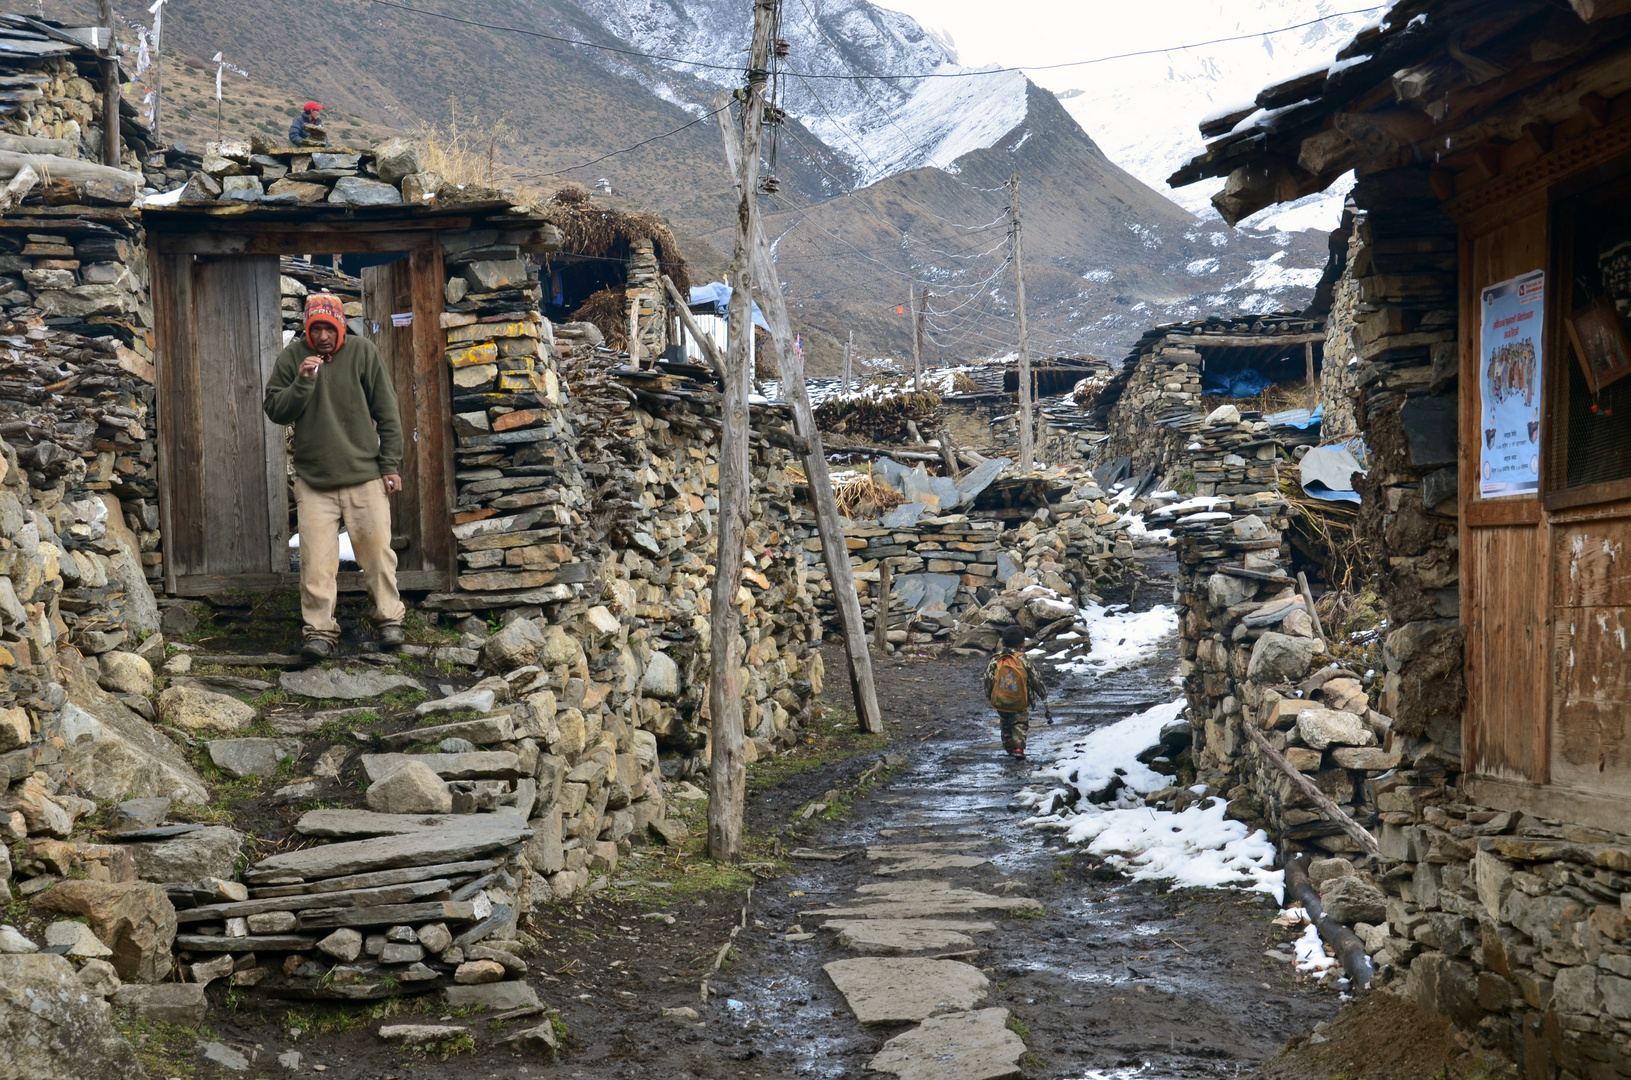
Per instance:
x=917, y=339
x=110, y=89
x=727, y=770
x=1026, y=444
x=849, y=353
x=834, y=550
x=880, y=610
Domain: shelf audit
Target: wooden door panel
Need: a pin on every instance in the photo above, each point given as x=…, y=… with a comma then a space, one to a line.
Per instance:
x=1591, y=725
x=413, y=354
x=1505, y=653
x=1591, y=564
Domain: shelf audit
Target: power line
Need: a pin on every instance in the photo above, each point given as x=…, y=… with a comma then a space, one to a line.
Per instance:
x=627, y=149
x=526, y=32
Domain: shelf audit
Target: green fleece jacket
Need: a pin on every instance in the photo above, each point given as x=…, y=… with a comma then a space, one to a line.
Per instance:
x=347, y=425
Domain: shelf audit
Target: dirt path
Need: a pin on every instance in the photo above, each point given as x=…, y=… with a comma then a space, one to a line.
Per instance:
x=1109, y=978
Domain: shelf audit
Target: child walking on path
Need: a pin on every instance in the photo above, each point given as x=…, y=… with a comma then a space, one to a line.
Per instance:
x=1012, y=685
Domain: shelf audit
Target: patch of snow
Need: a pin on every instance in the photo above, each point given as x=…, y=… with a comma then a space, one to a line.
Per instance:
x=1202, y=266
x=1113, y=750
x=1196, y=848
x=1099, y=276
x=1270, y=274
x=1122, y=638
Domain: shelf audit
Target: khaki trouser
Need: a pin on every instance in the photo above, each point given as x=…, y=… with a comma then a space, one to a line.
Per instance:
x=366, y=511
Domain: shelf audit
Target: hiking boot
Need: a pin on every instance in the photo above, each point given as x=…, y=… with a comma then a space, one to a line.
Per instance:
x=316, y=650
x=391, y=636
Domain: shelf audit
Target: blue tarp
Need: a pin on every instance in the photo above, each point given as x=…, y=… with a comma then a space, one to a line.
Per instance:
x=718, y=294
x=1247, y=382
x=1301, y=419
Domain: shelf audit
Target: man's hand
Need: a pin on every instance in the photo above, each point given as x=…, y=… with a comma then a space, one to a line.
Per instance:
x=309, y=366
x=393, y=483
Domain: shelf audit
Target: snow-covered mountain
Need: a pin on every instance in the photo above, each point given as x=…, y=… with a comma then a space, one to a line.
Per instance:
x=881, y=126
x=1144, y=111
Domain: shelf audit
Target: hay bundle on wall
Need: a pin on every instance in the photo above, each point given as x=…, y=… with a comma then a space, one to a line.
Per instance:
x=608, y=310
x=587, y=229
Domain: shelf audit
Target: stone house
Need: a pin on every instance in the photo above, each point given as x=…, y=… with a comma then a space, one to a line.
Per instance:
x=1487, y=278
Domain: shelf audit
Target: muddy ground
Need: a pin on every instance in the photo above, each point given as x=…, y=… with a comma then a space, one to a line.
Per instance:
x=1115, y=978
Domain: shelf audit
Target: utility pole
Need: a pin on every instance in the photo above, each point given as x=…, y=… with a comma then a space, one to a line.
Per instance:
x=834, y=550
x=849, y=352
x=1026, y=446
x=917, y=339
x=110, y=88
x=727, y=770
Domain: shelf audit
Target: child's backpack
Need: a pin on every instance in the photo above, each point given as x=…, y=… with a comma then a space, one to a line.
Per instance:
x=1010, y=692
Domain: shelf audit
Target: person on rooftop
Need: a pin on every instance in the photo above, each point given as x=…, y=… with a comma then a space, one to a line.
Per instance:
x=297, y=130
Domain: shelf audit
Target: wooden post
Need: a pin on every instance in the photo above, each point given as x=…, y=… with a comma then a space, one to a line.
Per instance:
x=1026, y=442
x=634, y=329
x=880, y=610
x=727, y=769
x=110, y=89
x=917, y=336
x=849, y=353
x=704, y=342
x=1313, y=387
x=834, y=549
x=1308, y=598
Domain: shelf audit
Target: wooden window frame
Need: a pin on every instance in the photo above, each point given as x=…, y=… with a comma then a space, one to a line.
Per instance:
x=1555, y=375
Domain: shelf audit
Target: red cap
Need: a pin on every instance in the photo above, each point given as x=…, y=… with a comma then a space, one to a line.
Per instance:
x=312, y=106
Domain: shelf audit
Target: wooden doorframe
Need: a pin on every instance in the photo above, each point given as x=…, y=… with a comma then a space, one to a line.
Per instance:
x=172, y=249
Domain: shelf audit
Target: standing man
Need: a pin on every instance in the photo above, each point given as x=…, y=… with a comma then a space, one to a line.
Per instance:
x=347, y=453
x=297, y=130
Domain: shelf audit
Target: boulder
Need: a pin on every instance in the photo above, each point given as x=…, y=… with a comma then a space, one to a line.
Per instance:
x=333, y=684
x=75, y=940
x=661, y=678
x=212, y=851
x=1281, y=658
x=192, y=709
x=16, y=730
x=134, y=814
x=169, y=1003
x=1325, y=728
x=126, y=673
x=395, y=159
x=345, y=944
x=12, y=942
x=50, y=1026
x=410, y=788
x=239, y=758
x=1223, y=414
x=98, y=977
x=115, y=754
x=359, y=191
x=477, y=972
x=516, y=645
x=491, y=275
x=135, y=919
x=559, y=647
x=1351, y=900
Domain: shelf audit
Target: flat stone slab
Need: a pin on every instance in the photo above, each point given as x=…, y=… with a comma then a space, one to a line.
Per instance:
x=908, y=862
x=897, y=936
x=421, y=847
x=494, y=997
x=356, y=824
x=921, y=899
x=483, y=732
x=891, y=990
x=958, y=1046
x=478, y=765
x=336, y=685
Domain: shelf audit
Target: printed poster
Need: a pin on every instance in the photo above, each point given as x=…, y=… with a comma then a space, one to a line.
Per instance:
x=1509, y=363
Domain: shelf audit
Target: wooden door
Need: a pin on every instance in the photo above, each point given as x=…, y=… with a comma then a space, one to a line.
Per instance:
x=222, y=473
x=1505, y=583
x=402, y=316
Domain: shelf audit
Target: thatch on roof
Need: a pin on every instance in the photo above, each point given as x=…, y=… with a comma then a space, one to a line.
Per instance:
x=588, y=229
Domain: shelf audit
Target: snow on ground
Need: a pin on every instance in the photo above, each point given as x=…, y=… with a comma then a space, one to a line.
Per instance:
x=1194, y=847
x=1122, y=638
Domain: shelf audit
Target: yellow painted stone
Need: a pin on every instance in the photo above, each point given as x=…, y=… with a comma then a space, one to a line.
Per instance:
x=485, y=353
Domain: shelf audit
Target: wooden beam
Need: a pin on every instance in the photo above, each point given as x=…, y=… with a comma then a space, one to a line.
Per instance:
x=709, y=351
x=1242, y=341
x=1315, y=795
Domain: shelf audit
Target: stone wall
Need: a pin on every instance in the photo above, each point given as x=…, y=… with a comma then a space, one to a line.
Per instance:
x=1339, y=368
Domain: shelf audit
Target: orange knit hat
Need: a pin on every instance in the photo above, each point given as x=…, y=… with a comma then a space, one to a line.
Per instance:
x=326, y=307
